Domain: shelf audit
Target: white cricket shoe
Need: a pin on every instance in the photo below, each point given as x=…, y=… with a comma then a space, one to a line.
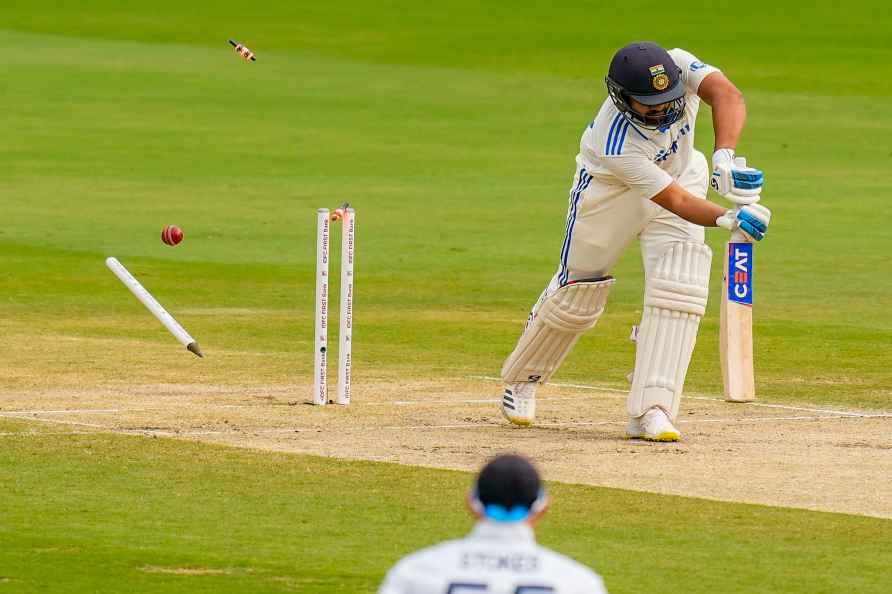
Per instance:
x=519, y=402
x=654, y=425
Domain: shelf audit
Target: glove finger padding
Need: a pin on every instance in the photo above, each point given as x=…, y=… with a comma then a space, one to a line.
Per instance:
x=758, y=212
x=733, y=180
x=747, y=179
x=722, y=182
x=753, y=220
x=750, y=219
x=750, y=231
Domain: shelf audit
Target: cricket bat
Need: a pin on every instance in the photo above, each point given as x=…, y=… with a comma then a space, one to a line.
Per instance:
x=736, y=327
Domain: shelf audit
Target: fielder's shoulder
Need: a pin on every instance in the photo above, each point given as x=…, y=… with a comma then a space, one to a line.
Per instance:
x=580, y=577
x=430, y=558
x=420, y=569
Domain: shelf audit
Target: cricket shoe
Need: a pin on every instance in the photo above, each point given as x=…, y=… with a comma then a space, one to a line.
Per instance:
x=654, y=425
x=519, y=403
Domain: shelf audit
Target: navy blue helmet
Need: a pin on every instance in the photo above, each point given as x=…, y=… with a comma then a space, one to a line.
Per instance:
x=645, y=72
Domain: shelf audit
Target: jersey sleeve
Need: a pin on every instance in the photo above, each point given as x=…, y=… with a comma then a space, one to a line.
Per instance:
x=592, y=584
x=572, y=577
x=417, y=572
x=405, y=577
x=614, y=144
x=394, y=582
x=639, y=173
x=693, y=71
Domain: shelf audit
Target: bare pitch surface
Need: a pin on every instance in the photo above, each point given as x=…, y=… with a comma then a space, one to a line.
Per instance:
x=820, y=458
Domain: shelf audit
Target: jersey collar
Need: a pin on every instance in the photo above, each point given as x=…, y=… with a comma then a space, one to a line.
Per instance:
x=503, y=531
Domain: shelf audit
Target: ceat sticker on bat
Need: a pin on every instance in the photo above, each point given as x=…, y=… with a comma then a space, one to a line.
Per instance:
x=740, y=273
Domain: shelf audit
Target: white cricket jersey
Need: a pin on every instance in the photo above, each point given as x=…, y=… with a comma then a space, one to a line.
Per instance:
x=615, y=151
x=496, y=558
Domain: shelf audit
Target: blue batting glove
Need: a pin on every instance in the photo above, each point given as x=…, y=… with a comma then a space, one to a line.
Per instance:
x=733, y=180
x=751, y=220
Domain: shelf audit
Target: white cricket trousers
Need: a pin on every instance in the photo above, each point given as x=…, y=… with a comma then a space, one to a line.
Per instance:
x=603, y=219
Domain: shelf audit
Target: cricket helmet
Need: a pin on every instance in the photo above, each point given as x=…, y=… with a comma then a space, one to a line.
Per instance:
x=645, y=72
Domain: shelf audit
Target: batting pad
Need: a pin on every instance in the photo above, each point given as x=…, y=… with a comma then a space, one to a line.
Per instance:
x=674, y=302
x=557, y=324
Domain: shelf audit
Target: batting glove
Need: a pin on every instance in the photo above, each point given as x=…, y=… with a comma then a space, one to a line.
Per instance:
x=751, y=220
x=733, y=180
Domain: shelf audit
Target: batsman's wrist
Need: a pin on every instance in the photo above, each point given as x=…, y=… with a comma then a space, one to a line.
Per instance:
x=722, y=155
x=727, y=221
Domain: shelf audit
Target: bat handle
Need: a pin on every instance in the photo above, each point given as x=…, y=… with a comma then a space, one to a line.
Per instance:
x=737, y=236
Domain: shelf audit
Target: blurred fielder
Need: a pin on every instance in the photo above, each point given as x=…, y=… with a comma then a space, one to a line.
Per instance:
x=638, y=175
x=501, y=555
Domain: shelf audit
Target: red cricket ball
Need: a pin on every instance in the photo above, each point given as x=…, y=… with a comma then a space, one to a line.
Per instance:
x=172, y=235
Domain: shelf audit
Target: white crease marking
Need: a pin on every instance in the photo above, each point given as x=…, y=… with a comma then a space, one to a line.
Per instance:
x=56, y=421
x=481, y=425
x=61, y=411
x=713, y=399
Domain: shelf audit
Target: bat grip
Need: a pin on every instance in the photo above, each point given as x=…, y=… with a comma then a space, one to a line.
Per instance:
x=737, y=236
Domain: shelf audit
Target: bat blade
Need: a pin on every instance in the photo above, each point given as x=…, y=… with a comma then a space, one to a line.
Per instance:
x=736, y=325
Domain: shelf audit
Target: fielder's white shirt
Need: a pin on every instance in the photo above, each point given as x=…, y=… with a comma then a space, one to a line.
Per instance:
x=496, y=558
x=615, y=151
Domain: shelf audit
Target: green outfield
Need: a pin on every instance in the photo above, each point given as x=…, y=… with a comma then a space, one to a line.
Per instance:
x=161, y=516
x=452, y=129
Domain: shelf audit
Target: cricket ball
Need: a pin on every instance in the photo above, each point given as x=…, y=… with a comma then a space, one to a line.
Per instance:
x=172, y=235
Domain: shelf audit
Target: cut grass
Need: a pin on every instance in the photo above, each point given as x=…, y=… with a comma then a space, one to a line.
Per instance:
x=460, y=198
x=173, y=516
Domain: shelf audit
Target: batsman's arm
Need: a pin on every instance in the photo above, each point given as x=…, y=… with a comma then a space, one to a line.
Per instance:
x=728, y=109
x=639, y=173
x=701, y=212
x=752, y=220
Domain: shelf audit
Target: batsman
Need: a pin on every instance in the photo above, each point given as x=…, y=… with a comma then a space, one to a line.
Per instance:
x=638, y=175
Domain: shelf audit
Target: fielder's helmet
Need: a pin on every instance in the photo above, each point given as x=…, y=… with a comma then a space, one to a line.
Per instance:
x=646, y=73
